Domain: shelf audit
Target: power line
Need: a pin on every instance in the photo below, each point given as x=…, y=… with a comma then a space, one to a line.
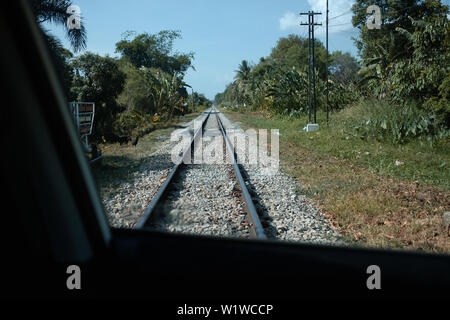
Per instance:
x=343, y=14
x=340, y=24
x=365, y=9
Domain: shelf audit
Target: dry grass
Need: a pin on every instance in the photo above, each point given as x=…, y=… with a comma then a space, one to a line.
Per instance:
x=368, y=207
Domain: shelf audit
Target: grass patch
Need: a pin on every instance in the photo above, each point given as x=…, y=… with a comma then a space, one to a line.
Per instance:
x=357, y=184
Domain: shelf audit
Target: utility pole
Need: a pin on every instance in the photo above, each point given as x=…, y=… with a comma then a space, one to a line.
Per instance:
x=311, y=64
x=314, y=63
x=327, y=66
x=309, y=60
x=192, y=96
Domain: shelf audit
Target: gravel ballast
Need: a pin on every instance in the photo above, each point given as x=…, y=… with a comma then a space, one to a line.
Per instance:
x=284, y=214
x=204, y=199
x=128, y=203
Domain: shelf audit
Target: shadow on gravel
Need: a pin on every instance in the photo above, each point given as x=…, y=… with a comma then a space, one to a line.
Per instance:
x=114, y=164
x=115, y=170
x=270, y=231
x=179, y=126
x=161, y=217
x=178, y=185
x=158, y=162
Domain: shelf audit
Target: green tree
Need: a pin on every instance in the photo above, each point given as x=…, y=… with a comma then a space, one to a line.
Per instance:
x=219, y=98
x=343, y=67
x=243, y=82
x=379, y=48
x=201, y=100
x=279, y=82
x=154, y=51
x=98, y=79
x=408, y=59
x=55, y=11
x=292, y=51
x=150, y=90
x=243, y=71
x=425, y=76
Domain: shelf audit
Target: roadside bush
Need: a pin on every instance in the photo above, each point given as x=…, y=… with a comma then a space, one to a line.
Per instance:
x=398, y=124
x=132, y=123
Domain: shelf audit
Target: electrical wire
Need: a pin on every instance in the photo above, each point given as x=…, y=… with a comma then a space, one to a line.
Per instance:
x=339, y=24
x=365, y=9
x=338, y=16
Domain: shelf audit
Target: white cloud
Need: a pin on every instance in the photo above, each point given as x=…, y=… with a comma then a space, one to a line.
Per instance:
x=337, y=8
x=290, y=21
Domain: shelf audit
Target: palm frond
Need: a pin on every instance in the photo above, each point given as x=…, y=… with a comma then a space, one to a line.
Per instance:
x=55, y=11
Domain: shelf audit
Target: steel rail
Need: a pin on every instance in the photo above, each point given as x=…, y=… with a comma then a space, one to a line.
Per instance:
x=96, y=159
x=256, y=228
x=163, y=189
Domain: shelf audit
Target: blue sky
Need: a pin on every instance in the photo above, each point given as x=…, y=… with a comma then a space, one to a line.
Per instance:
x=220, y=33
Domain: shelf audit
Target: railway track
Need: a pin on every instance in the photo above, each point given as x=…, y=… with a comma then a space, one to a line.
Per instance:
x=188, y=202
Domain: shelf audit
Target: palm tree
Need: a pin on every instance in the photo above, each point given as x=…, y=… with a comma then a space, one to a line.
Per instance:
x=243, y=72
x=56, y=11
x=242, y=77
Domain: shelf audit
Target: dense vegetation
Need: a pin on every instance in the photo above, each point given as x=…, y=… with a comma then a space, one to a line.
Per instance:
x=146, y=79
x=278, y=83
x=403, y=79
